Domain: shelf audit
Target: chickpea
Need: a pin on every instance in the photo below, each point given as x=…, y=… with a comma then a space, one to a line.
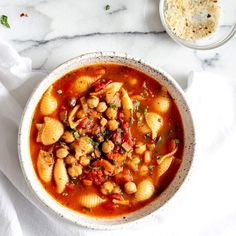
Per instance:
x=140, y=148
x=130, y=187
x=75, y=170
x=111, y=113
x=143, y=171
x=84, y=160
x=116, y=189
x=62, y=152
x=70, y=160
x=93, y=102
x=108, y=146
x=103, y=122
x=81, y=114
x=113, y=125
x=102, y=106
x=68, y=137
x=133, y=164
x=107, y=188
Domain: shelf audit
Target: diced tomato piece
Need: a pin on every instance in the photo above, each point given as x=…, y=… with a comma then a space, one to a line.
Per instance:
x=96, y=176
x=70, y=186
x=100, y=84
x=82, y=124
x=117, y=196
x=117, y=138
x=128, y=137
x=110, y=206
x=123, y=177
x=121, y=117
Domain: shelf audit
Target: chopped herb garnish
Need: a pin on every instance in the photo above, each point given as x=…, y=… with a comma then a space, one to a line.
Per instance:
x=151, y=168
x=107, y=7
x=96, y=144
x=113, y=106
x=136, y=104
x=74, y=180
x=4, y=21
x=89, y=140
x=64, y=194
x=177, y=141
x=72, y=102
x=145, y=111
x=76, y=135
x=59, y=91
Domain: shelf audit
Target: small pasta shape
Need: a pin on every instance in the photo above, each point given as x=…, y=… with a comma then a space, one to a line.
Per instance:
x=127, y=105
x=110, y=90
x=48, y=103
x=45, y=164
x=71, y=121
x=60, y=175
x=82, y=83
x=155, y=122
x=90, y=200
x=164, y=166
x=162, y=104
x=83, y=147
x=145, y=190
x=49, y=132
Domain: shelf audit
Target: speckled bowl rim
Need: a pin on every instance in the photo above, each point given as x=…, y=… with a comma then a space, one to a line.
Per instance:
x=152, y=208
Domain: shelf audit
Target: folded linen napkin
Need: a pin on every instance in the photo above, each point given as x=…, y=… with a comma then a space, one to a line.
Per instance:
x=205, y=205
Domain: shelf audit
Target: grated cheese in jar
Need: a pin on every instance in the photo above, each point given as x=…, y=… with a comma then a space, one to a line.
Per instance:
x=192, y=19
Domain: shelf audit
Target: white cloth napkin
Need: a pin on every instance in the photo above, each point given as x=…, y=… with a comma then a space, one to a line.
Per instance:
x=205, y=205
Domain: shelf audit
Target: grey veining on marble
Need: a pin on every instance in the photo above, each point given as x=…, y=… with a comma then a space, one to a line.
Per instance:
x=57, y=30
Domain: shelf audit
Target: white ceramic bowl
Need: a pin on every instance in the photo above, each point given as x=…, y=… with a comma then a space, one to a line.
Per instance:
x=24, y=132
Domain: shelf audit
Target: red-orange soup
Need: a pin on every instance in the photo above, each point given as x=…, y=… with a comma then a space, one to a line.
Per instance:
x=106, y=140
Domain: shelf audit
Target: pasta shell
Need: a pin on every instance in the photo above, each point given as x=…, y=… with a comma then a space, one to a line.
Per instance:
x=90, y=200
x=145, y=190
x=82, y=83
x=143, y=128
x=60, y=175
x=71, y=121
x=45, y=164
x=155, y=122
x=164, y=166
x=161, y=104
x=110, y=90
x=48, y=103
x=83, y=146
x=49, y=132
x=127, y=105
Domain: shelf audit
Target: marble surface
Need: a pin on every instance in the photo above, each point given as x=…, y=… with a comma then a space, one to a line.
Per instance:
x=58, y=30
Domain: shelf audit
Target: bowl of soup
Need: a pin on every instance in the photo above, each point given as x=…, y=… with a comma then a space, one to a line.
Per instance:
x=106, y=140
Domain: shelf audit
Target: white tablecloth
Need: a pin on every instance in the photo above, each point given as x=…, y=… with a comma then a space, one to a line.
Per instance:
x=205, y=205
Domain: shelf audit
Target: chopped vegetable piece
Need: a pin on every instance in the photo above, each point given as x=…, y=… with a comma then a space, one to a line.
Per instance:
x=4, y=21
x=107, y=7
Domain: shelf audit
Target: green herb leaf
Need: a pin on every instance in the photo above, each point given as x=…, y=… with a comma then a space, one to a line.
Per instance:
x=151, y=168
x=136, y=104
x=145, y=110
x=113, y=106
x=107, y=7
x=177, y=141
x=4, y=21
